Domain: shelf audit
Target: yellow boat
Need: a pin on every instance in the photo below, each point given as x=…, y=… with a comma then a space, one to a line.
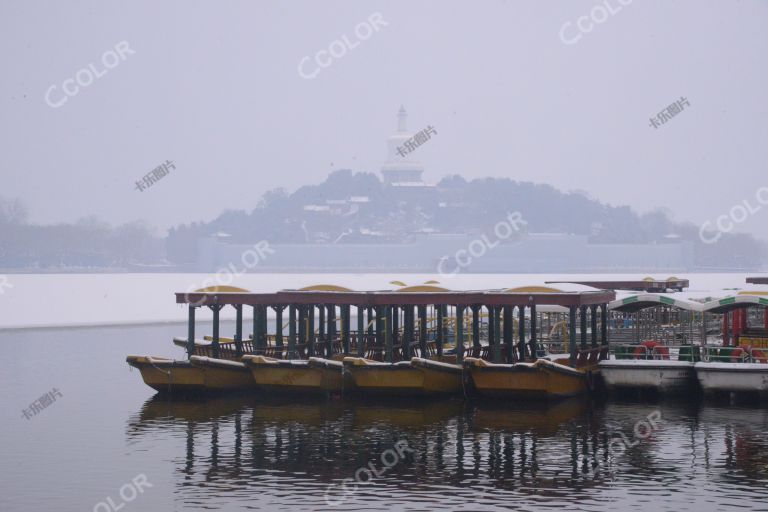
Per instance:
x=540, y=379
x=415, y=377
x=196, y=375
x=315, y=375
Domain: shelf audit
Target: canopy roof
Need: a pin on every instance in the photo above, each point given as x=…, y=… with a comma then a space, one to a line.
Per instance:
x=741, y=300
x=640, y=301
x=648, y=284
x=507, y=297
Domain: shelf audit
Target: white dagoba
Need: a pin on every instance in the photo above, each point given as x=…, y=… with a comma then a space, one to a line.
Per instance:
x=401, y=170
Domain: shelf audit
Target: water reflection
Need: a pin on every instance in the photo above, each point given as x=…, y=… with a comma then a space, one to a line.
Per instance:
x=464, y=454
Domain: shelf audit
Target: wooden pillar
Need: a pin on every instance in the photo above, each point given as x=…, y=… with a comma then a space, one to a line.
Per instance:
x=532, y=343
x=423, y=330
x=345, y=317
x=361, y=331
x=459, y=334
x=215, y=343
x=331, y=330
x=572, y=334
x=583, y=315
x=321, y=330
x=521, y=332
x=303, y=324
x=279, y=330
x=311, y=330
x=255, y=330
x=509, y=333
x=475, y=325
x=440, y=328
x=191, y=331
x=388, y=334
x=593, y=318
x=604, y=325
x=494, y=332
x=291, y=332
x=238, y=330
x=408, y=331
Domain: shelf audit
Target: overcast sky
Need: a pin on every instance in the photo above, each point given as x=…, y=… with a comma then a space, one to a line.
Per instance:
x=215, y=87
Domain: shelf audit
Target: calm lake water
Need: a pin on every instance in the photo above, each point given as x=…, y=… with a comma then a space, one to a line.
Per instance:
x=264, y=453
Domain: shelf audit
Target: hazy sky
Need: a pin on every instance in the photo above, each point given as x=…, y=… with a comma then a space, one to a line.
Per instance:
x=215, y=87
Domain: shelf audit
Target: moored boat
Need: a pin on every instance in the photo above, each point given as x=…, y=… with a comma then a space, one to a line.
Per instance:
x=540, y=379
x=315, y=375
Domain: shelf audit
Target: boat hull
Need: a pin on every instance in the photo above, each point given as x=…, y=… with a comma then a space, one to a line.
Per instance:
x=418, y=377
x=170, y=376
x=316, y=376
x=542, y=379
x=734, y=377
x=661, y=375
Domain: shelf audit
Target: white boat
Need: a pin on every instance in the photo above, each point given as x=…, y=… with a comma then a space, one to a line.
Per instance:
x=664, y=376
x=733, y=377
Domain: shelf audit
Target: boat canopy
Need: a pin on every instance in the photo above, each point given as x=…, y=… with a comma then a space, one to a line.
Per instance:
x=639, y=301
x=741, y=300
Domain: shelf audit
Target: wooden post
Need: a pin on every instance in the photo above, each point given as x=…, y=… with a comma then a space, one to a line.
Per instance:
x=407, y=332
x=459, y=334
x=331, y=329
x=572, y=334
x=583, y=314
x=279, y=330
x=604, y=325
x=311, y=330
x=345, y=316
x=291, y=332
x=388, y=333
x=361, y=331
x=509, y=333
x=521, y=332
x=215, y=343
x=255, y=331
x=238, y=330
x=533, y=345
x=191, y=332
x=321, y=324
x=423, y=331
x=441, y=328
x=494, y=332
x=593, y=318
x=475, y=328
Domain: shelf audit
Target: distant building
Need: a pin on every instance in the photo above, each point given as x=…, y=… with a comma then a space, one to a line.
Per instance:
x=398, y=170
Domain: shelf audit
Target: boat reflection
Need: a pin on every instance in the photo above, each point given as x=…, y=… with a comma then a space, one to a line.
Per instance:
x=464, y=452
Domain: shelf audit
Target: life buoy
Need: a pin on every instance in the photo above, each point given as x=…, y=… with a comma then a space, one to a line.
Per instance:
x=644, y=349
